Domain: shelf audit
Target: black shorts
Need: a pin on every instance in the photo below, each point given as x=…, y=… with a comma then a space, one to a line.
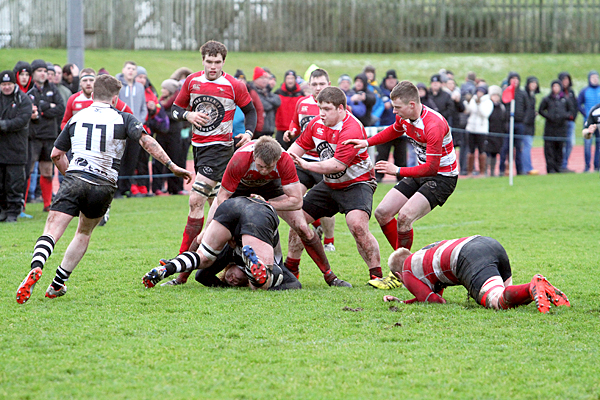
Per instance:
x=323, y=201
x=245, y=216
x=478, y=261
x=76, y=195
x=436, y=189
x=308, y=178
x=269, y=190
x=211, y=161
x=41, y=149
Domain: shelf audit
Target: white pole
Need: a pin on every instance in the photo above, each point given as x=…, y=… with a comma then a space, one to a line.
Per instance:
x=511, y=142
x=75, y=33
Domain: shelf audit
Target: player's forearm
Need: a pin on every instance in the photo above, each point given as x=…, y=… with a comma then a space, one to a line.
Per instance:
x=430, y=168
x=149, y=144
x=61, y=161
x=330, y=166
x=288, y=203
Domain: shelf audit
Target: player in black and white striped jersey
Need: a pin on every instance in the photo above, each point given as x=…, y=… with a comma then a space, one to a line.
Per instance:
x=97, y=138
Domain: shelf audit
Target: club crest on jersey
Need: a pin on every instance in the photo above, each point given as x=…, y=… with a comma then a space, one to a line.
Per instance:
x=325, y=153
x=211, y=107
x=305, y=122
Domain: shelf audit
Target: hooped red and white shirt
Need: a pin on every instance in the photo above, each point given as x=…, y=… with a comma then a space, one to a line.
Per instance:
x=217, y=99
x=327, y=141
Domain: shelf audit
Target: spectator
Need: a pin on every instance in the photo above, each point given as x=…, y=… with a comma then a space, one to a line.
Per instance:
x=63, y=90
x=557, y=111
x=388, y=118
x=170, y=140
x=378, y=107
x=157, y=122
x=479, y=109
x=362, y=99
x=269, y=101
x=425, y=96
x=289, y=93
x=513, y=91
x=566, y=80
x=588, y=98
x=260, y=112
x=22, y=72
x=532, y=87
x=470, y=84
x=15, y=113
x=498, y=124
x=47, y=107
x=459, y=135
x=133, y=94
x=444, y=102
x=70, y=77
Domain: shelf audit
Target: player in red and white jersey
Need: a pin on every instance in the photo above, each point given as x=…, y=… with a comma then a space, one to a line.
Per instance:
x=83, y=99
x=478, y=263
x=307, y=109
x=262, y=168
x=423, y=187
x=349, y=179
x=207, y=100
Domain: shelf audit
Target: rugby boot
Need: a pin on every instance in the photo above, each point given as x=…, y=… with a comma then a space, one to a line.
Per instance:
x=537, y=288
x=389, y=282
x=52, y=294
x=26, y=287
x=154, y=276
x=255, y=269
x=340, y=283
x=557, y=297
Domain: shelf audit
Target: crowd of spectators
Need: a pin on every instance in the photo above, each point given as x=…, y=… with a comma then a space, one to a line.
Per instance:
x=38, y=96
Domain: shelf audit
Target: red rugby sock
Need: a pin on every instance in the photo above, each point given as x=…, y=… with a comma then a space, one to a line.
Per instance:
x=328, y=240
x=390, y=230
x=515, y=295
x=315, y=250
x=405, y=239
x=317, y=223
x=46, y=187
x=192, y=229
x=293, y=264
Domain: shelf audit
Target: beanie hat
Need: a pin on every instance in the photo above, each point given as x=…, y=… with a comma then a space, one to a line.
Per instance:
x=141, y=71
x=37, y=64
x=513, y=74
x=103, y=71
x=344, y=77
x=171, y=85
x=7, y=76
x=483, y=89
x=421, y=85
x=22, y=66
x=436, y=78
x=391, y=74
x=369, y=68
x=495, y=89
x=239, y=74
x=290, y=72
x=258, y=72
x=50, y=66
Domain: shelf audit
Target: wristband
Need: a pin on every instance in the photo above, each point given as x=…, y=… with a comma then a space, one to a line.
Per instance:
x=249, y=133
x=398, y=173
x=168, y=164
x=185, y=114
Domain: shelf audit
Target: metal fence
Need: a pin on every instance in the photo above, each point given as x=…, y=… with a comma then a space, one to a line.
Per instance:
x=382, y=26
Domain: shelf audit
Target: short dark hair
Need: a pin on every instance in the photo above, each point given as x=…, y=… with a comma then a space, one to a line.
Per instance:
x=67, y=68
x=267, y=149
x=87, y=71
x=105, y=87
x=318, y=73
x=213, y=48
x=332, y=95
x=130, y=62
x=406, y=92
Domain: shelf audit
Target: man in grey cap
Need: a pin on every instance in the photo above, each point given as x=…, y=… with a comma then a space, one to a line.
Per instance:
x=15, y=112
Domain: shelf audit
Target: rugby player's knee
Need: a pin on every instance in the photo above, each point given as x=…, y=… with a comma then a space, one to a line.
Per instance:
x=404, y=222
x=382, y=215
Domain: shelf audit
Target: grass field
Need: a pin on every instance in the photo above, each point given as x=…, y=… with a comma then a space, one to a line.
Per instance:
x=111, y=338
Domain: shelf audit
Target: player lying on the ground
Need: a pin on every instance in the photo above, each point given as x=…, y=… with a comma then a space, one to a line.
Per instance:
x=249, y=222
x=261, y=167
x=96, y=135
x=478, y=263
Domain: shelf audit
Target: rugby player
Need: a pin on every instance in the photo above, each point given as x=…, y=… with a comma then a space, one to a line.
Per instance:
x=349, y=179
x=423, y=187
x=478, y=263
x=242, y=227
x=97, y=138
x=207, y=100
x=262, y=168
x=306, y=109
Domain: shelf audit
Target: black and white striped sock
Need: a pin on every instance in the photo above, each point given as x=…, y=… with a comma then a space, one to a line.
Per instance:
x=185, y=262
x=42, y=251
x=61, y=277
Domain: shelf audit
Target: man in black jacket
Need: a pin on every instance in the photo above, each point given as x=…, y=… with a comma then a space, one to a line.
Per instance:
x=15, y=112
x=47, y=106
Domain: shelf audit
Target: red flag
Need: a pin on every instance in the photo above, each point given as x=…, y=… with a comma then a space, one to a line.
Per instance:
x=509, y=94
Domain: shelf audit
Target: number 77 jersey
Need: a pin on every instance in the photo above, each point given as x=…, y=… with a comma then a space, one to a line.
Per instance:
x=97, y=137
